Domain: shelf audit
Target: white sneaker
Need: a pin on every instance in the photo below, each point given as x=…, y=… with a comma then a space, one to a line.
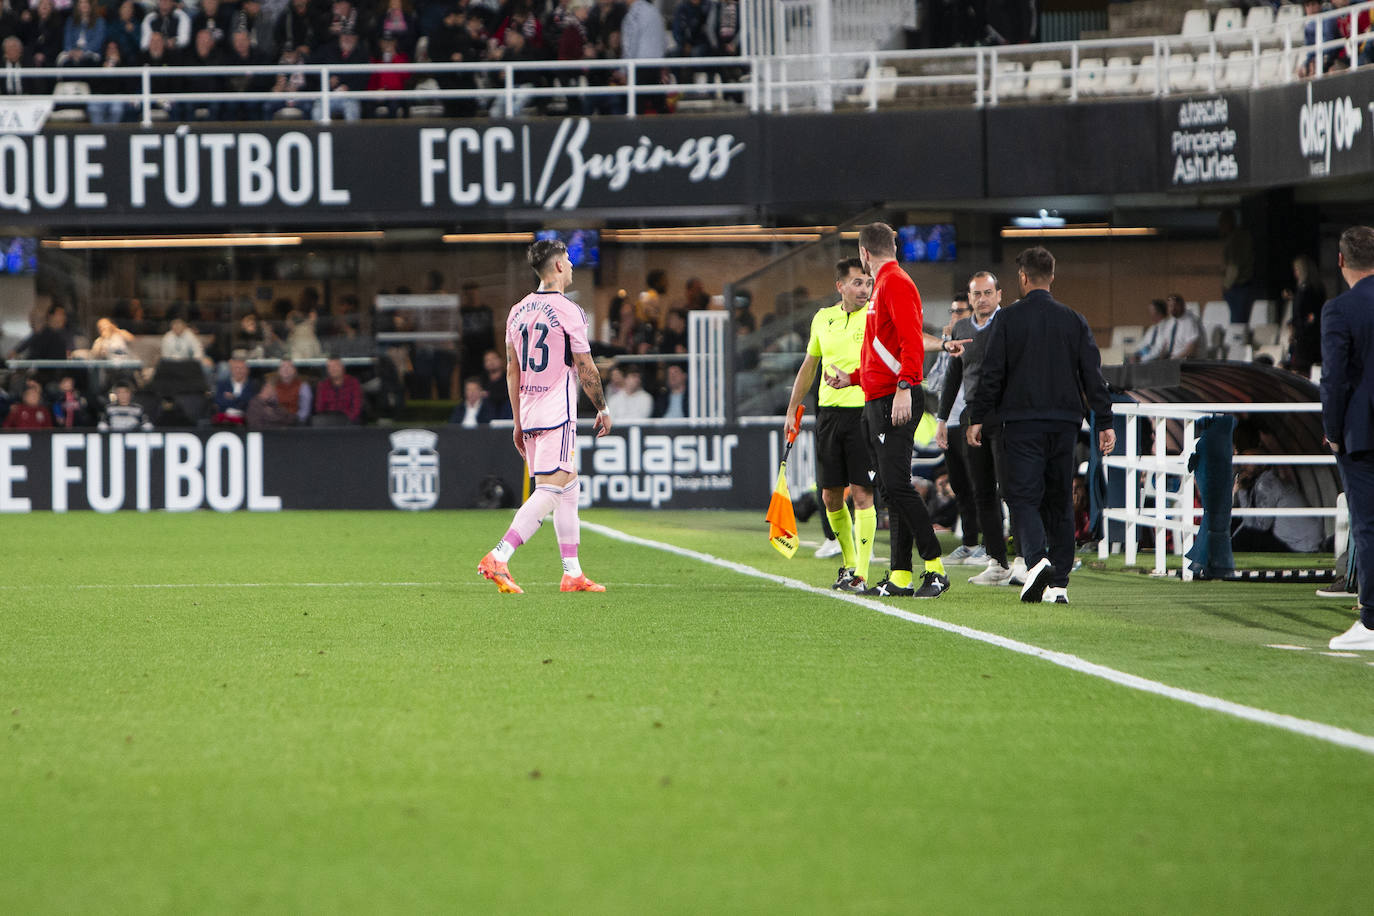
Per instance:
x=1055, y=596
x=830, y=548
x=995, y=574
x=1018, y=571
x=1358, y=636
x=1037, y=580
x=979, y=555
x=959, y=555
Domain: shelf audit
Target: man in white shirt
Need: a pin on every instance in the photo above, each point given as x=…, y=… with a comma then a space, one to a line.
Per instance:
x=1155, y=344
x=1185, y=337
x=632, y=402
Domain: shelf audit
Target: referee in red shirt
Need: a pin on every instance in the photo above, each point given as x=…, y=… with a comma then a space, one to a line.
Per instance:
x=890, y=369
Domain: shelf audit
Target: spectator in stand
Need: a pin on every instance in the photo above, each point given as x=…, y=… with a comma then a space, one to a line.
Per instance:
x=398, y=18
x=289, y=85
x=694, y=32
x=629, y=334
x=84, y=37
x=346, y=49
x=1342, y=60
x=673, y=338
x=295, y=27
x=495, y=383
x=123, y=414
x=1330, y=31
x=249, y=18
x=650, y=305
x=293, y=394
x=181, y=342
x=338, y=392
x=168, y=20
x=111, y=112
x=52, y=341
x=476, y=326
x=342, y=18
x=242, y=53
x=112, y=342
x=644, y=36
x=30, y=412
x=16, y=58
x=1308, y=299
x=671, y=403
x=573, y=44
x=218, y=19
x=604, y=18
x=234, y=394
x=1185, y=336
x=514, y=45
x=41, y=31
x=458, y=39
x=158, y=57
x=697, y=299
x=69, y=410
x=475, y=409
x=390, y=80
x=301, y=341
x=1155, y=344
x=727, y=28
x=632, y=403
x=204, y=53
x=126, y=28
x=521, y=19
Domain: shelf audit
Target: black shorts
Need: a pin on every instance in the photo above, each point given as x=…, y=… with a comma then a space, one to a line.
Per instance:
x=842, y=455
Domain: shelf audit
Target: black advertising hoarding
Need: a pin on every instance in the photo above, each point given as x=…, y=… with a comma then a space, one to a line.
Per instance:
x=871, y=156
x=1315, y=129
x=1088, y=148
x=1205, y=141
x=671, y=467
x=386, y=173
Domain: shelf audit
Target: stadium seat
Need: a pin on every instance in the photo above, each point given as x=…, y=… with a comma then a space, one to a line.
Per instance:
x=1147, y=76
x=1264, y=335
x=1119, y=78
x=1127, y=335
x=429, y=108
x=1182, y=67
x=1289, y=16
x=1112, y=356
x=887, y=87
x=69, y=90
x=1229, y=22
x=1239, y=72
x=1197, y=26
x=1216, y=312
x=1207, y=73
x=1092, y=75
x=1273, y=68
x=1046, y=78
x=1261, y=18
x=1011, y=79
x=1263, y=312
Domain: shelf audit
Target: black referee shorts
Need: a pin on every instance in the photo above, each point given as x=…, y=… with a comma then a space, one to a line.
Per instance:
x=842, y=453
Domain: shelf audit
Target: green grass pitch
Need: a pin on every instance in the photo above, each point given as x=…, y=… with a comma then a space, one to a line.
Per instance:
x=332, y=713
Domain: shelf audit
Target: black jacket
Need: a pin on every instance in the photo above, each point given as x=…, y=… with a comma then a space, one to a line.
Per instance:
x=1041, y=363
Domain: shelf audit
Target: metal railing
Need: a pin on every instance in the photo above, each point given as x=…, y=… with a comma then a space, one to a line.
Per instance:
x=1174, y=511
x=763, y=79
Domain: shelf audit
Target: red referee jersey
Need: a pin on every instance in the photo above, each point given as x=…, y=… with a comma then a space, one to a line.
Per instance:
x=893, y=346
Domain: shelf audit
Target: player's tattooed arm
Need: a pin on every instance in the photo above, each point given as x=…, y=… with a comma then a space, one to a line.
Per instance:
x=591, y=380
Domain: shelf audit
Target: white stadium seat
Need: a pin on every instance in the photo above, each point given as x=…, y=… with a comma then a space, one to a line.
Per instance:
x=1092, y=75
x=1274, y=68
x=1229, y=21
x=1011, y=79
x=1181, y=70
x=1290, y=16
x=1260, y=17
x=1126, y=336
x=1046, y=78
x=1147, y=76
x=1119, y=77
x=1239, y=72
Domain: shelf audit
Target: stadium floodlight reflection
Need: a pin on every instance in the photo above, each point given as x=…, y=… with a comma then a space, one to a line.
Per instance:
x=1081, y=231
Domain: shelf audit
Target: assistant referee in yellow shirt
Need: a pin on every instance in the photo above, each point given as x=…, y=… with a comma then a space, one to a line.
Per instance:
x=837, y=335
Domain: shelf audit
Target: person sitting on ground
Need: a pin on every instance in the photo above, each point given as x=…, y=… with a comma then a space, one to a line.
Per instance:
x=475, y=409
x=123, y=413
x=338, y=392
x=1270, y=487
x=30, y=412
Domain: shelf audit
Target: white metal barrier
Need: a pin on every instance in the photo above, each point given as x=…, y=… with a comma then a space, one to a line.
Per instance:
x=1175, y=511
x=706, y=345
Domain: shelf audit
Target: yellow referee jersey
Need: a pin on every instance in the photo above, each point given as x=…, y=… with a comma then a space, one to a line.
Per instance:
x=837, y=337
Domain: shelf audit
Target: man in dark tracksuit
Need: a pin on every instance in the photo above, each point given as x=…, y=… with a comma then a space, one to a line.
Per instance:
x=1040, y=364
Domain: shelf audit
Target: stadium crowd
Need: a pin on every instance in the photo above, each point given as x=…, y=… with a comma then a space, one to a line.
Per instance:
x=70, y=37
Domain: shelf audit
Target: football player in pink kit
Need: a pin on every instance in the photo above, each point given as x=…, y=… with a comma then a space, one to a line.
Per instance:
x=546, y=342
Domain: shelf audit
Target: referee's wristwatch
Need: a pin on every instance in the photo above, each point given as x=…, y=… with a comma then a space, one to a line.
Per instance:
x=904, y=385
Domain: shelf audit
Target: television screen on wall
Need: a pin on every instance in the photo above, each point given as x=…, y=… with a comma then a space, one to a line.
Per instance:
x=932, y=242
x=20, y=255
x=584, y=245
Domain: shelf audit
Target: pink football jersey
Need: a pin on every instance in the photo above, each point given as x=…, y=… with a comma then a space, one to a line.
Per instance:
x=543, y=332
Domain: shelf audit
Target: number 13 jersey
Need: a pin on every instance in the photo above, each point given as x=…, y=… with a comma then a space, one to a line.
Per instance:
x=543, y=331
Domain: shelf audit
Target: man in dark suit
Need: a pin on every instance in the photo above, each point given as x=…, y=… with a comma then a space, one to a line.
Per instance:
x=1347, y=388
x=1041, y=362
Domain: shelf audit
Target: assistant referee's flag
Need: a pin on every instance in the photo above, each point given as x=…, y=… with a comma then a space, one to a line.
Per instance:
x=782, y=521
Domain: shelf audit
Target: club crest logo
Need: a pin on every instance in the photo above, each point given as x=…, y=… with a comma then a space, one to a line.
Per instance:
x=413, y=469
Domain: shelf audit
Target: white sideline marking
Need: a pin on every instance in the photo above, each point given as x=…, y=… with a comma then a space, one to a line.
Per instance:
x=1319, y=730
x=1280, y=645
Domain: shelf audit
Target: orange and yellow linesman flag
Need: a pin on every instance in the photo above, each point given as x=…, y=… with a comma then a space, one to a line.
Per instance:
x=782, y=521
